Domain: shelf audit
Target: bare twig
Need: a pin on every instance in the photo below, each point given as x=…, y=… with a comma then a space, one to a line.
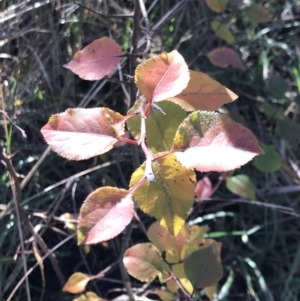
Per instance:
x=106, y=15
x=17, y=197
x=36, y=264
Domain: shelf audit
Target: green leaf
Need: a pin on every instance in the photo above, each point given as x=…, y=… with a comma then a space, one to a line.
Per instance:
x=203, y=267
x=297, y=100
x=272, y=111
x=170, y=198
x=277, y=86
x=289, y=130
x=222, y=32
x=160, y=128
x=270, y=161
x=242, y=186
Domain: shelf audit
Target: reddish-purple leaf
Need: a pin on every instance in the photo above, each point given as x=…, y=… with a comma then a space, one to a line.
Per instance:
x=104, y=214
x=143, y=262
x=204, y=188
x=96, y=60
x=209, y=141
x=162, y=76
x=79, y=134
x=224, y=56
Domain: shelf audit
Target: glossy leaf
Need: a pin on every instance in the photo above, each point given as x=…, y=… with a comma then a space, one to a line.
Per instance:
x=79, y=134
x=209, y=141
x=164, y=241
x=241, y=185
x=143, y=262
x=204, y=188
x=224, y=57
x=160, y=128
x=179, y=272
x=258, y=13
x=222, y=32
x=76, y=283
x=203, y=93
x=165, y=199
x=162, y=76
x=208, y=269
x=96, y=60
x=217, y=6
x=88, y=296
x=104, y=214
x=270, y=161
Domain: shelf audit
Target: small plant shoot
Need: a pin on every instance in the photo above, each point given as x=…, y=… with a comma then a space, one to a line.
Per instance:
x=174, y=123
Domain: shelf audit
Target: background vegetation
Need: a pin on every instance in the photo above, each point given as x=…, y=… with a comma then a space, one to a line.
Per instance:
x=261, y=249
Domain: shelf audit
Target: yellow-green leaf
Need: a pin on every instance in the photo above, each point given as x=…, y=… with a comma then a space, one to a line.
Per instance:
x=179, y=272
x=222, y=32
x=164, y=295
x=242, y=186
x=160, y=128
x=170, y=198
x=88, y=296
x=217, y=6
x=203, y=93
x=164, y=241
x=76, y=283
x=211, y=292
x=143, y=262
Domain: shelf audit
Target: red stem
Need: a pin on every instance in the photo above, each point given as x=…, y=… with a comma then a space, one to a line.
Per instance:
x=131, y=141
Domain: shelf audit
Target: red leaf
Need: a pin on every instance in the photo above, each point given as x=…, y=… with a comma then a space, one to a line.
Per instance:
x=213, y=142
x=143, y=262
x=204, y=188
x=224, y=56
x=79, y=134
x=96, y=60
x=162, y=76
x=104, y=214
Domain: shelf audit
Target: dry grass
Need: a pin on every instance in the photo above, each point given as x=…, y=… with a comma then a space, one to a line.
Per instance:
x=261, y=251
